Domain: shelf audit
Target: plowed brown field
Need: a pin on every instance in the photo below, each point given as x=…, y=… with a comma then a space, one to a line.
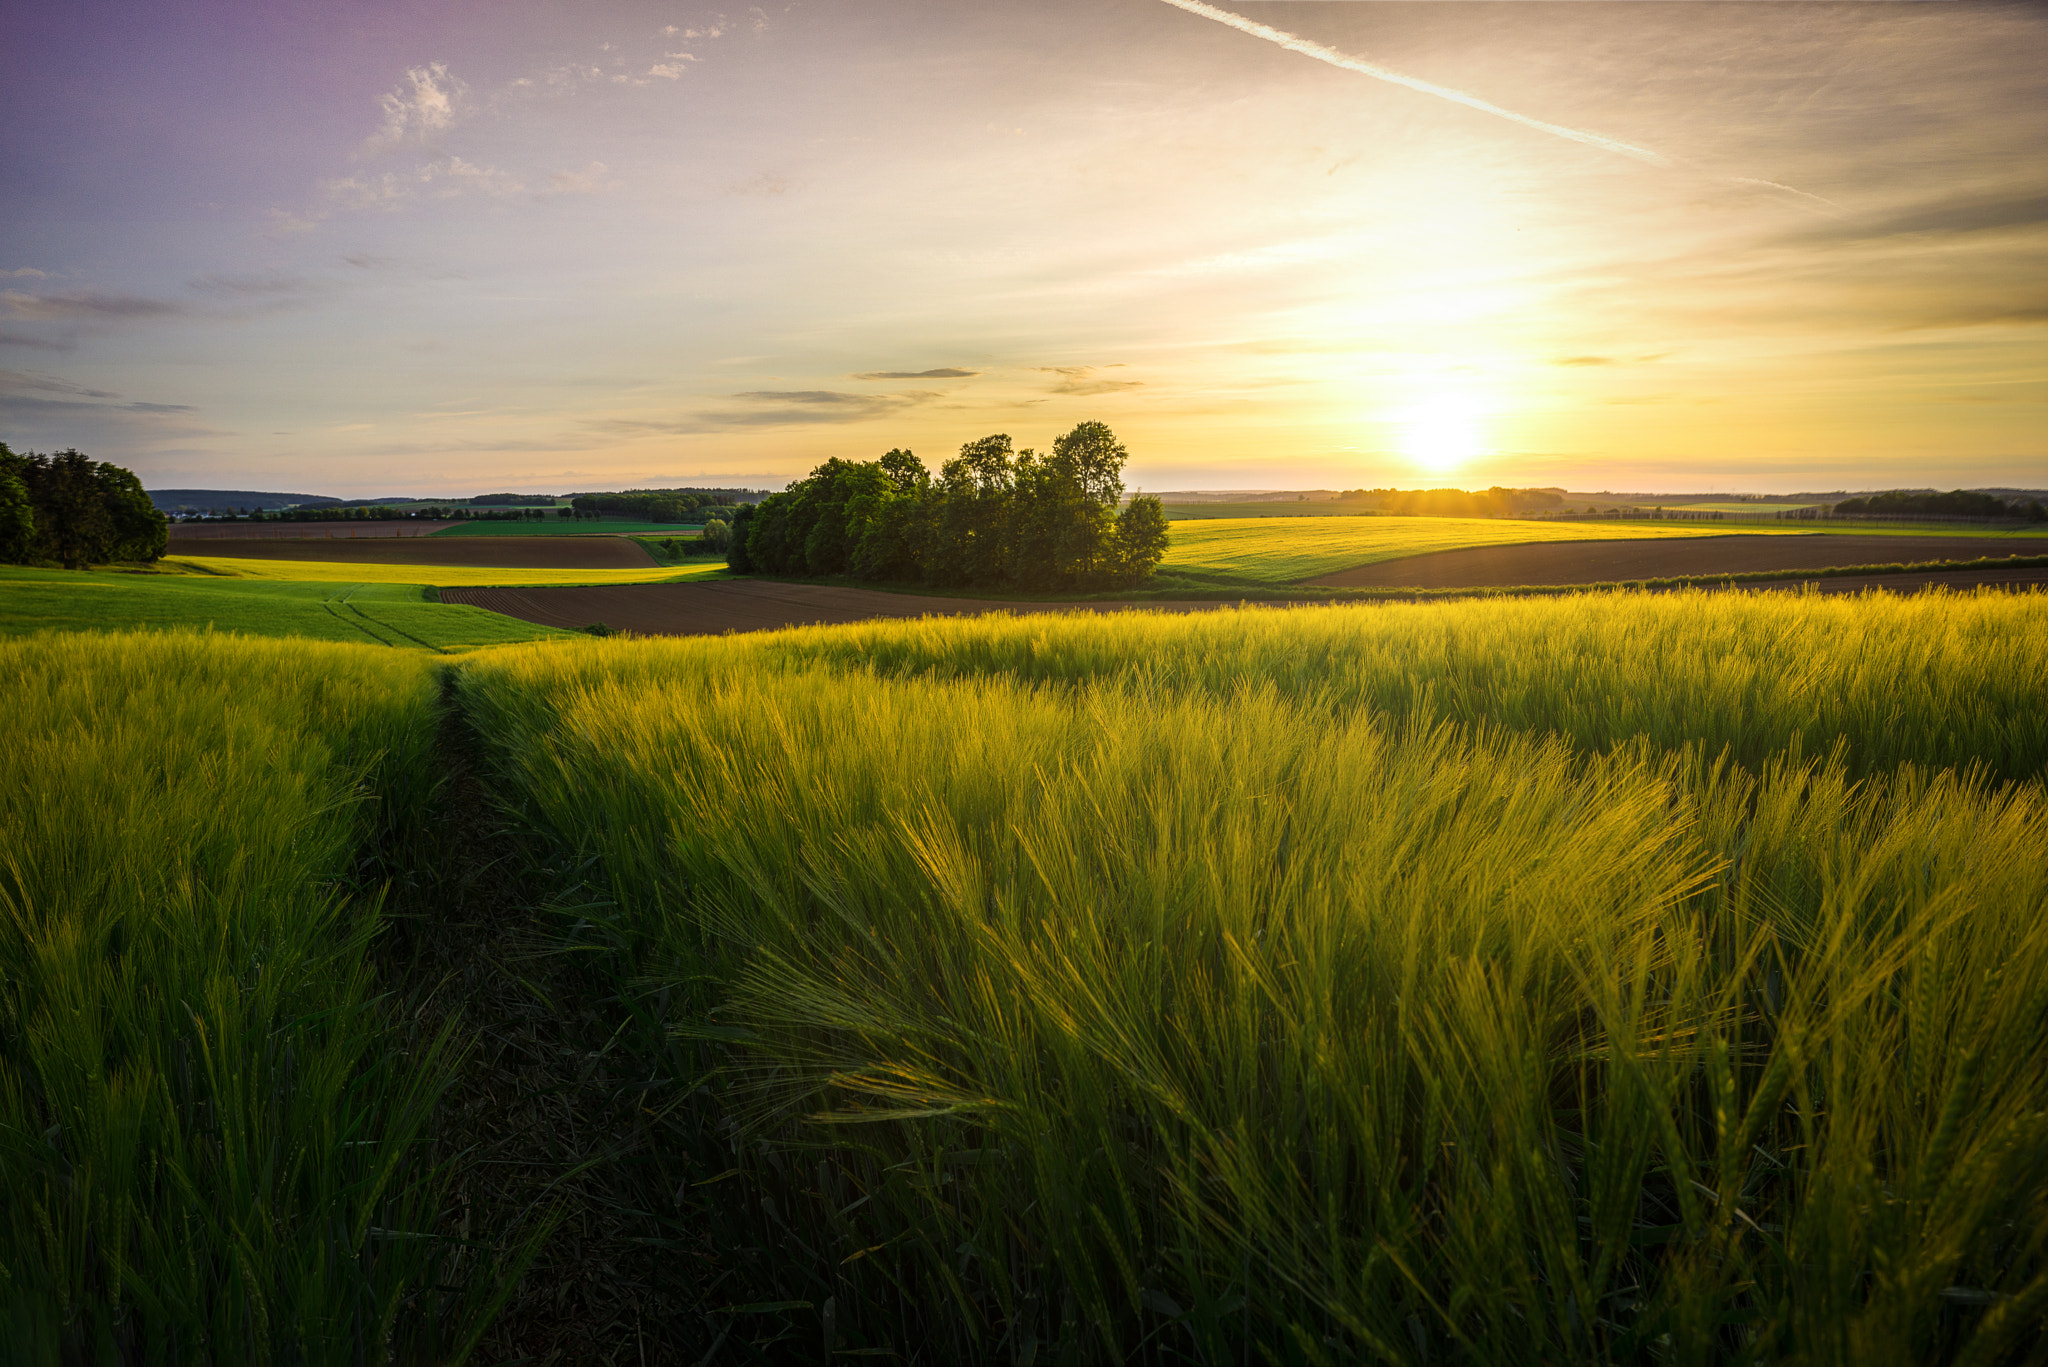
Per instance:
x=758, y=605
x=1598, y=562
x=742, y=605
x=491, y=552
x=295, y=531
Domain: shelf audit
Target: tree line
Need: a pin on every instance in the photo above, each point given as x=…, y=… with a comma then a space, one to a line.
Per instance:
x=74, y=510
x=664, y=505
x=1928, y=503
x=994, y=517
x=384, y=512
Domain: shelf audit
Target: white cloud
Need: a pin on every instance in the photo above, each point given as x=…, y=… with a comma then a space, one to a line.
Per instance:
x=445, y=178
x=425, y=104
x=89, y=305
x=460, y=177
x=591, y=180
x=672, y=68
x=24, y=272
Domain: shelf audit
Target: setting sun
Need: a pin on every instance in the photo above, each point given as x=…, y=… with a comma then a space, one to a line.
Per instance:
x=1443, y=433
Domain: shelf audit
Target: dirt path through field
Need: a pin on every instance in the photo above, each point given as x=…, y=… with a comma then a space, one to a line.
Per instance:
x=491, y=552
x=1598, y=562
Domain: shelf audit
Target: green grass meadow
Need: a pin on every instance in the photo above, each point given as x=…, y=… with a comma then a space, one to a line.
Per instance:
x=1611, y=978
x=397, y=615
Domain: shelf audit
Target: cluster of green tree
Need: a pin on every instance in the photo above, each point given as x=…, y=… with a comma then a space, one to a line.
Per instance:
x=663, y=505
x=993, y=518
x=1494, y=502
x=715, y=538
x=1927, y=503
x=74, y=510
x=510, y=500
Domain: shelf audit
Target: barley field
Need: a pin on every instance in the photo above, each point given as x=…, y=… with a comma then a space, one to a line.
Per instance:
x=207, y=1120
x=1604, y=979
x=1614, y=978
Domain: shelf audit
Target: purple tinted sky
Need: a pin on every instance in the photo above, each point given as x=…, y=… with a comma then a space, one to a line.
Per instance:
x=443, y=247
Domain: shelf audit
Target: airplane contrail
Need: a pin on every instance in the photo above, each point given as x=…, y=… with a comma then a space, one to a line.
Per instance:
x=1296, y=43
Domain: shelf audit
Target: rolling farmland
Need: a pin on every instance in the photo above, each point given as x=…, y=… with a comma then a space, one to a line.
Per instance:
x=1086, y=985
x=1257, y=550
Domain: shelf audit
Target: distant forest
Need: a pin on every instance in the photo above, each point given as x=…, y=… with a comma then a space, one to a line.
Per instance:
x=1928, y=503
x=666, y=505
x=993, y=518
x=74, y=510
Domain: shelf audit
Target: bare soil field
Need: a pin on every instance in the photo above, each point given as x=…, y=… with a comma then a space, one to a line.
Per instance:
x=295, y=531
x=743, y=605
x=761, y=605
x=492, y=552
x=1599, y=562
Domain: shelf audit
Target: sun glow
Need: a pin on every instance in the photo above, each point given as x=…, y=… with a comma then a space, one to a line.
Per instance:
x=1443, y=432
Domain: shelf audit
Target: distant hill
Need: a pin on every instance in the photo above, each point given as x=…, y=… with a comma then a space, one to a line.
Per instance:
x=171, y=500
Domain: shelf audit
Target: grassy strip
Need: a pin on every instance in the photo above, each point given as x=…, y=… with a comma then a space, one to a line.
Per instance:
x=335, y=610
x=207, y=1121
x=451, y=576
x=1216, y=1004
x=707, y=564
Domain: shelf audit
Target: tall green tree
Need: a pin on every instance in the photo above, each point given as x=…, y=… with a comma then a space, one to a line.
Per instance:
x=736, y=556
x=137, y=530
x=1094, y=460
x=17, y=512
x=893, y=521
x=1140, y=540
x=86, y=511
x=72, y=522
x=971, y=531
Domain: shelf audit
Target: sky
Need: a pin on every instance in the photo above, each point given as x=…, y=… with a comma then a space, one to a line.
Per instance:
x=441, y=247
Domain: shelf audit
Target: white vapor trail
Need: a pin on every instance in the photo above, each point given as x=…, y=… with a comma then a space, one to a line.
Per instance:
x=1295, y=43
